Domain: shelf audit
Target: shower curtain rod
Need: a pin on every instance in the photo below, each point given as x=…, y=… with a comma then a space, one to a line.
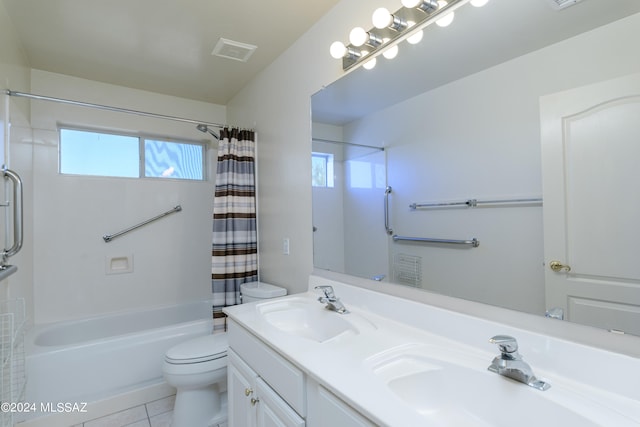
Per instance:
x=109, y=108
x=331, y=141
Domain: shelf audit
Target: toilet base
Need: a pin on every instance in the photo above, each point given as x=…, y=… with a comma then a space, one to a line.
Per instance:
x=200, y=407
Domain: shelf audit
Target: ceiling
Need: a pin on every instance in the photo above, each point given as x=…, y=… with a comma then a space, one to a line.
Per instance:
x=479, y=38
x=161, y=46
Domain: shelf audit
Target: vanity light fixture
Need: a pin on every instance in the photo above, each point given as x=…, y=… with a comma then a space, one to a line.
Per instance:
x=339, y=50
x=426, y=5
x=358, y=36
x=407, y=23
x=382, y=18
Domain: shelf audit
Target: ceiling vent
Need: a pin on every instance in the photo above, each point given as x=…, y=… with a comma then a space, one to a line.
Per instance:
x=561, y=4
x=233, y=50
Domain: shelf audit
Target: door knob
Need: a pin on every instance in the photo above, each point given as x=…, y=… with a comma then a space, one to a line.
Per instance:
x=557, y=266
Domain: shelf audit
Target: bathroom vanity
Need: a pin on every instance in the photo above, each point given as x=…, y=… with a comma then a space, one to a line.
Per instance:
x=391, y=361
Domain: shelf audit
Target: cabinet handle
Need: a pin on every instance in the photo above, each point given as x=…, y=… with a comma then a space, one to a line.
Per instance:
x=247, y=392
x=254, y=401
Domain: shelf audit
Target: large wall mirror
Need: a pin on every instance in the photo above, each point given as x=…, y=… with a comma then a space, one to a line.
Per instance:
x=505, y=139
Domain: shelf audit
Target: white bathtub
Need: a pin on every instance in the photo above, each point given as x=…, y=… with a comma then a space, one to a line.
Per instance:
x=97, y=358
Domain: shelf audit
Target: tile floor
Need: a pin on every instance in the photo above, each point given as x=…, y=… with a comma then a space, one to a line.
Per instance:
x=153, y=414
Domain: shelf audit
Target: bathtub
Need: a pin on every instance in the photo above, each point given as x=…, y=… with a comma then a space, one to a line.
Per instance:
x=97, y=358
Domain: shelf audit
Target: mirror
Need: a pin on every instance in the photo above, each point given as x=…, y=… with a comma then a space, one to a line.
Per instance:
x=455, y=119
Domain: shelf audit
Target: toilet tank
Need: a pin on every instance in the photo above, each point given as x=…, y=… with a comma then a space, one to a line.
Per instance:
x=258, y=291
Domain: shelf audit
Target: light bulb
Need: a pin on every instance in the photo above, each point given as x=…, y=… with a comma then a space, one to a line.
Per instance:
x=447, y=19
x=414, y=38
x=369, y=64
x=410, y=3
x=479, y=3
x=381, y=18
x=338, y=50
x=391, y=53
x=358, y=36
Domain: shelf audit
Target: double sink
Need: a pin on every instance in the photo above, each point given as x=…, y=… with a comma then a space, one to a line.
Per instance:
x=443, y=386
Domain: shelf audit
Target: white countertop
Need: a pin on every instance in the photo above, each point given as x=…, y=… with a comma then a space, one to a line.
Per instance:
x=389, y=327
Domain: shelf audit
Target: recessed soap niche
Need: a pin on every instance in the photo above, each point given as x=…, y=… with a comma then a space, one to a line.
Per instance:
x=119, y=264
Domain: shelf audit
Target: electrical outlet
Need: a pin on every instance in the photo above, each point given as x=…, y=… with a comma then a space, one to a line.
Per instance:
x=285, y=246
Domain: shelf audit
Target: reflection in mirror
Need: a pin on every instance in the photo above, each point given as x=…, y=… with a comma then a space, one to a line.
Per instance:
x=347, y=206
x=459, y=118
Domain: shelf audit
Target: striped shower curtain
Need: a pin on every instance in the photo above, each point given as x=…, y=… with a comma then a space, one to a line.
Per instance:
x=234, y=253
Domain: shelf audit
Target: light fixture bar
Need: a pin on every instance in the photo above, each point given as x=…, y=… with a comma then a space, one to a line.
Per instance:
x=423, y=15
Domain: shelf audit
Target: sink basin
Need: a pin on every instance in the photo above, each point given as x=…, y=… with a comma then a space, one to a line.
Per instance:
x=453, y=394
x=306, y=319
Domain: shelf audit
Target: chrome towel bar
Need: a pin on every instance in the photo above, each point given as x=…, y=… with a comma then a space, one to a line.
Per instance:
x=17, y=216
x=472, y=203
x=473, y=242
x=109, y=237
x=387, y=226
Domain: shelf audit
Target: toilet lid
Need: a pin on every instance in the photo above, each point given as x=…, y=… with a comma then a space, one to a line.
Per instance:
x=261, y=290
x=201, y=349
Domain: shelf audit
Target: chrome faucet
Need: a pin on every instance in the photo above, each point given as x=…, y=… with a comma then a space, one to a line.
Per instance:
x=510, y=363
x=329, y=298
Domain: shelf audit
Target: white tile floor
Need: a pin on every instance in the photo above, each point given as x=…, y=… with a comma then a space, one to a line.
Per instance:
x=152, y=414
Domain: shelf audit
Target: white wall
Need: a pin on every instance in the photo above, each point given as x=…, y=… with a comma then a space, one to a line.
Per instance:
x=14, y=75
x=70, y=214
x=278, y=104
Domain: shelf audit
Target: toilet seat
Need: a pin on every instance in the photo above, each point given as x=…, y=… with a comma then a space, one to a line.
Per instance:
x=198, y=350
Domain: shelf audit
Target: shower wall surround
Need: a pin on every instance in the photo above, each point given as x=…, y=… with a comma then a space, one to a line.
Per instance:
x=70, y=214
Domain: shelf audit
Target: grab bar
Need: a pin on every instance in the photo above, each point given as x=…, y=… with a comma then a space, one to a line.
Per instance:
x=473, y=242
x=17, y=216
x=387, y=227
x=109, y=237
x=472, y=203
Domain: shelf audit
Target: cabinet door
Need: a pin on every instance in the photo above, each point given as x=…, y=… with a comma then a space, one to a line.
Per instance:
x=241, y=391
x=330, y=411
x=273, y=411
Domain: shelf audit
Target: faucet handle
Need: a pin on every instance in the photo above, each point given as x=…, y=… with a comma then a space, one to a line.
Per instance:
x=505, y=343
x=327, y=290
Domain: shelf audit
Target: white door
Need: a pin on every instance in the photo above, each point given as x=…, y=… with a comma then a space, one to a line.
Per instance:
x=591, y=187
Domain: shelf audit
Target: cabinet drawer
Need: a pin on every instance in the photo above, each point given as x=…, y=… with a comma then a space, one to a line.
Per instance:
x=287, y=380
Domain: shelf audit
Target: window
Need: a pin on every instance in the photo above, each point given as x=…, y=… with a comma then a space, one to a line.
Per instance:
x=322, y=170
x=106, y=154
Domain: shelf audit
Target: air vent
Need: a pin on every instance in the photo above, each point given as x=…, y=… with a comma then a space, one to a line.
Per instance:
x=561, y=4
x=407, y=269
x=233, y=50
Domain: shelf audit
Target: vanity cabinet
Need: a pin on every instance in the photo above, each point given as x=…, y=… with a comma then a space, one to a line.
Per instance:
x=328, y=410
x=241, y=391
x=252, y=403
x=265, y=390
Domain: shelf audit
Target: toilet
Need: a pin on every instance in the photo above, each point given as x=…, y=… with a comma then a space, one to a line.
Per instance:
x=197, y=368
